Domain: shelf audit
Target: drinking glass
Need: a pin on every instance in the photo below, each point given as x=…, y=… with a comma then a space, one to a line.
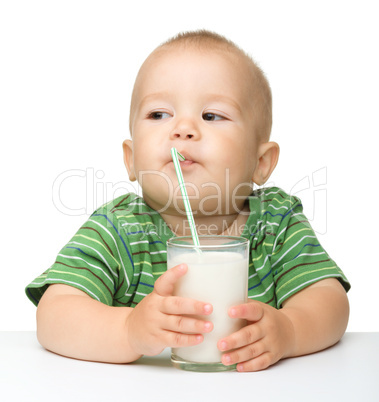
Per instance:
x=217, y=274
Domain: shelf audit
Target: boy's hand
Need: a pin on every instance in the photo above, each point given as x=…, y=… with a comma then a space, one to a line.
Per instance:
x=267, y=337
x=311, y=320
x=162, y=320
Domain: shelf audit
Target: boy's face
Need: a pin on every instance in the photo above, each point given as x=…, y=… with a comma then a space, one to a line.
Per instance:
x=201, y=102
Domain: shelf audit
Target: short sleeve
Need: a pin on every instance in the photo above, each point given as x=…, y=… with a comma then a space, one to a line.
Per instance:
x=297, y=257
x=92, y=261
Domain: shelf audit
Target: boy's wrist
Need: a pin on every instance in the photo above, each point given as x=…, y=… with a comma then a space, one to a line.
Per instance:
x=131, y=353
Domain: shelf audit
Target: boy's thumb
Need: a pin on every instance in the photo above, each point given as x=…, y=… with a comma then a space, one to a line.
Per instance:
x=164, y=285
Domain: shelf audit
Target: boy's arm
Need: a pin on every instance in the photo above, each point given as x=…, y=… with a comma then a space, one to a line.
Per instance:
x=311, y=320
x=71, y=323
x=319, y=315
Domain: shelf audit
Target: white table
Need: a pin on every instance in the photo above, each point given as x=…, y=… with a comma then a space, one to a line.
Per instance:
x=349, y=371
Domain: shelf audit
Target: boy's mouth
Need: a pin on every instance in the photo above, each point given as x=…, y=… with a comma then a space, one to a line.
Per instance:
x=188, y=159
x=187, y=165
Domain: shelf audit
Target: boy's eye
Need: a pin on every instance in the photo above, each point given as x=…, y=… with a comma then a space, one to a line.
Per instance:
x=158, y=115
x=211, y=117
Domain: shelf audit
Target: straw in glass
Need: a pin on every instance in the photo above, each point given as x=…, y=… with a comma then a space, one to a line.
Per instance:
x=187, y=205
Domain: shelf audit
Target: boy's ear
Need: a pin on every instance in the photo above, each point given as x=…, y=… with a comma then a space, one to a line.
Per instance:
x=127, y=147
x=268, y=154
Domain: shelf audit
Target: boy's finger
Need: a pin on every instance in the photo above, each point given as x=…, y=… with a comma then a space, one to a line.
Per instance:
x=181, y=305
x=252, y=311
x=177, y=340
x=164, y=285
x=243, y=354
x=245, y=336
x=187, y=325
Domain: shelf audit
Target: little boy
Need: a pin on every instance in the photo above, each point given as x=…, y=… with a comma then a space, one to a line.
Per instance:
x=108, y=296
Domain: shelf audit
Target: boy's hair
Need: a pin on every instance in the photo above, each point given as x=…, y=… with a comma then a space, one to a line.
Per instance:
x=208, y=39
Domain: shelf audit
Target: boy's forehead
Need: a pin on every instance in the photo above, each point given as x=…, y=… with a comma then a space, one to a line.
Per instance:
x=177, y=50
x=155, y=63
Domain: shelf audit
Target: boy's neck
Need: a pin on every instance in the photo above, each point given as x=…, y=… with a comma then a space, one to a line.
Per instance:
x=214, y=225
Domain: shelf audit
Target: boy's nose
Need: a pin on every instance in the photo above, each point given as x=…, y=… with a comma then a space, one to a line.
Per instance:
x=185, y=129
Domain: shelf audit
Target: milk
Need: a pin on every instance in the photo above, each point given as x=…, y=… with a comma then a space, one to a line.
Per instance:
x=219, y=278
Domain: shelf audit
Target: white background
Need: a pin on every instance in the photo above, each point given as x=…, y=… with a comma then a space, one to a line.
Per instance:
x=66, y=74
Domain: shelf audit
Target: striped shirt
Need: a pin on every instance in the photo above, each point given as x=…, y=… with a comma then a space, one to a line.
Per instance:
x=118, y=254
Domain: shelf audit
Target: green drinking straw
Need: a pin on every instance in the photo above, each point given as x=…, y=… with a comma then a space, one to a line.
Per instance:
x=187, y=205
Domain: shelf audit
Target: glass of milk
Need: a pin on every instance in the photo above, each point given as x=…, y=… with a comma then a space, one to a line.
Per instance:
x=217, y=274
